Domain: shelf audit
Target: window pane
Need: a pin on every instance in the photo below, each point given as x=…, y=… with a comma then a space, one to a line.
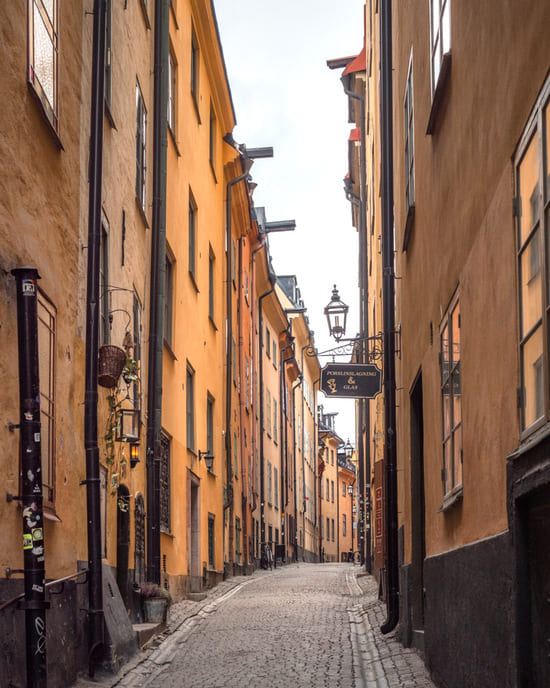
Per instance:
x=528, y=180
x=531, y=284
x=43, y=56
x=446, y=28
x=445, y=355
x=533, y=375
x=436, y=63
x=547, y=151
x=447, y=448
x=457, y=459
x=455, y=327
x=435, y=20
x=447, y=410
x=48, y=6
x=457, y=398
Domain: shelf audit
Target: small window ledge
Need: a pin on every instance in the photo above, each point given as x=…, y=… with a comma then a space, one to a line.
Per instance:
x=409, y=222
x=169, y=349
x=173, y=137
x=439, y=93
x=451, y=499
x=142, y=213
x=145, y=13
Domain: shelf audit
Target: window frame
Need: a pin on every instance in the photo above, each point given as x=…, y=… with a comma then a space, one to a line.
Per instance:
x=165, y=460
x=48, y=398
x=451, y=430
x=172, y=93
x=192, y=237
x=538, y=125
x=190, y=408
x=212, y=131
x=436, y=41
x=141, y=150
x=195, y=71
x=169, y=279
x=211, y=285
x=210, y=425
x=51, y=25
x=408, y=153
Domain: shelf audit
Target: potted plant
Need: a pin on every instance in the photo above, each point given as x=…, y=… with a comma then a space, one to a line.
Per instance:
x=155, y=602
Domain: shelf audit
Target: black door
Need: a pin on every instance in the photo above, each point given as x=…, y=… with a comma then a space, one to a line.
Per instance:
x=417, y=513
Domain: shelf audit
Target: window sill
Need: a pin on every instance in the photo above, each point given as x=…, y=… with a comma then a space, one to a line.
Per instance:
x=109, y=115
x=213, y=172
x=173, y=13
x=193, y=280
x=532, y=440
x=173, y=138
x=145, y=14
x=211, y=319
x=142, y=213
x=439, y=93
x=409, y=222
x=170, y=351
x=166, y=531
x=196, y=106
x=451, y=499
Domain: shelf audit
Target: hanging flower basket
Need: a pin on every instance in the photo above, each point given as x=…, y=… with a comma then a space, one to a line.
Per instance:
x=110, y=365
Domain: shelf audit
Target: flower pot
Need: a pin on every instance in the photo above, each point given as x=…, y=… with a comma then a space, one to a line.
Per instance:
x=154, y=609
x=111, y=360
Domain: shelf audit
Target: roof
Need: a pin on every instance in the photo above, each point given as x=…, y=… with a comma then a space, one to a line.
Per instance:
x=358, y=64
x=355, y=134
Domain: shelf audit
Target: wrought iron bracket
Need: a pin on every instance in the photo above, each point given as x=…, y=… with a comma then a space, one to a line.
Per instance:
x=346, y=347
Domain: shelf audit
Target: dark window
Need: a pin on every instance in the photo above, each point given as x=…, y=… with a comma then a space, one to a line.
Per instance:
x=47, y=316
x=235, y=455
x=237, y=540
x=332, y=491
x=108, y=53
x=532, y=166
x=195, y=58
x=172, y=72
x=137, y=347
x=211, y=290
x=192, y=234
x=139, y=548
x=267, y=342
x=275, y=487
x=43, y=49
x=141, y=148
x=164, y=469
x=332, y=528
x=408, y=132
x=211, y=541
x=212, y=140
x=440, y=35
x=344, y=525
x=210, y=425
x=451, y=398
x=168, y=299
x=190, y=408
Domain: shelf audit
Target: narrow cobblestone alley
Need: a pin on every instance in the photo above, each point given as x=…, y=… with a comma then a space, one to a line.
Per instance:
x=303, y=625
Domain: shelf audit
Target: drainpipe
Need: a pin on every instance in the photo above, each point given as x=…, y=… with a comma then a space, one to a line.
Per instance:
x=388, y=289
x=261, y=388
x=156, y=303
x=303, y=457
x=364, y=457
x=246, y=164
x=282, y=426
x=92, y=482
x=34, y=604
x=300, y=380
x=315, y=440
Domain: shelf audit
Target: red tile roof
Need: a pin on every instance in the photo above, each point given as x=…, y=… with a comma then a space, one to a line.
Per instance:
x=359, y=64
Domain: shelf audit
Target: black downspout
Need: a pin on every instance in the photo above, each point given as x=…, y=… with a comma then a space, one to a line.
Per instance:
x=156, y=303
x=316, y=463
x=282, y=426
x=364, y=458
x=301, y=379
x=388, y=289
x=247, y=164
x=34, y=604
x=95, y=575
x=262, y=469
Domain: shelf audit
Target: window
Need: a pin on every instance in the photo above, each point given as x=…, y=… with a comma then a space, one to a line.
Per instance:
x=235, y=455
x=47, y=316
x=328, y=491
x=532, y=209
x=327, y=533
x=210, y=425
x=267, y=342
x=104, y=325
x=195, y=58
x=440, y=36
x=137, y=347
x=332, y=458
x=212, y=140
x=344, y=524
x=408, y=134
x=343, y=489
x=171, y=114
x=168, y=299
x=451, y=398
x=190, y=408
x=274, y=353
x=237, y=540
x=275, y=420
x=321, y=489
x=269, y=483
x=332, y=529
x=43, y=48
x=108, y=53
x=211, y=541
x=246, y=285
x=275, y=488
x=211, y=260
x=234, y=262
x=268, y=412
x=192, y=235
x=234, y=360
x=141, y=147
x=164, y=481
x=332, y=491
x=247, y=381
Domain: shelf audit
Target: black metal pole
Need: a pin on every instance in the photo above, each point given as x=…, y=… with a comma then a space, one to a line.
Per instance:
x=34, y=604
x=388, y=291
x=95, y=580
x=158, y=270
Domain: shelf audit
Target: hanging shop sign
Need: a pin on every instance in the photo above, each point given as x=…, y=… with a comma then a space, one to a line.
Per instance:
x=351, y=380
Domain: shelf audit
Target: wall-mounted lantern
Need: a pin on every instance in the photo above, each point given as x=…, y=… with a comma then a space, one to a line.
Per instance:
x=134, y=454
x=128, y=429
x=208, y=460
x=336, y=312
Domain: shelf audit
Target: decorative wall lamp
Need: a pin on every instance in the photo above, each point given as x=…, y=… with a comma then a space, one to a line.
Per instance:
x=336, y=312
x=128, y=426
x=348, y=449
x=350, y=490
x=134, y=454
x=208, y=460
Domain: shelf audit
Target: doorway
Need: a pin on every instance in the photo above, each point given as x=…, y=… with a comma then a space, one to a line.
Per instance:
x=194, y=533
x=418, y=522
x=122, y=540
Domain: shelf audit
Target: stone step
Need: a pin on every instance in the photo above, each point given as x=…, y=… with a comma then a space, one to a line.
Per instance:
x=196, y=596
x=145, y=631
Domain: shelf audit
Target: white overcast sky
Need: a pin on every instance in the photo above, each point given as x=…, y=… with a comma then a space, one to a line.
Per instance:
x=286, y=97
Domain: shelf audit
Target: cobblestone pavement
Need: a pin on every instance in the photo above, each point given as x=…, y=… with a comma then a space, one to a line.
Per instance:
x=301, y=626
